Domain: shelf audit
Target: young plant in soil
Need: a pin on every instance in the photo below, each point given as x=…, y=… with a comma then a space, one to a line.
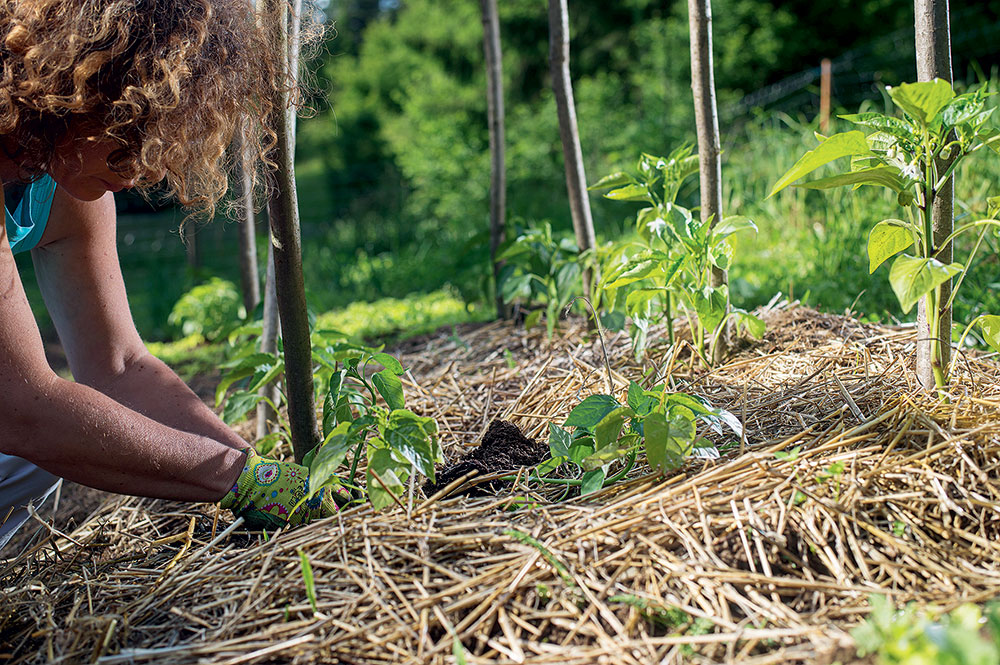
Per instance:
x=540, y=268
x=906, y=154
x=669, y=268
x=364, y=415
x=658, y=423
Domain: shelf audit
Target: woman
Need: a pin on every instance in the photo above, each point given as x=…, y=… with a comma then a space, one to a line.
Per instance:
x=97, y=96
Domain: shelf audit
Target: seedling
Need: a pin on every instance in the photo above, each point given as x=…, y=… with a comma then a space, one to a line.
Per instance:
x=364, y=414
x=670, y=265
x=540, y=269
x=663, y=425
x=907, y=155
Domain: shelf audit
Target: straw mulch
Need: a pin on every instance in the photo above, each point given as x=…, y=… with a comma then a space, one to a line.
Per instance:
x=752, y=558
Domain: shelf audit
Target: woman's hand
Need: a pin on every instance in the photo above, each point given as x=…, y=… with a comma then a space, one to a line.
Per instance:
x=268, y=494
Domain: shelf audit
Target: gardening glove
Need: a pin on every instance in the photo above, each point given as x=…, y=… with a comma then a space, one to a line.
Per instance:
x=267, y=491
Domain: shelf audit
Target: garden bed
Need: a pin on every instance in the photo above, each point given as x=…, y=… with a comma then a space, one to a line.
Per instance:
x=751, y=558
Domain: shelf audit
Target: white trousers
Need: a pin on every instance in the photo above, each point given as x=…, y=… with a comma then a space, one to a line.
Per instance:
x=21, y=483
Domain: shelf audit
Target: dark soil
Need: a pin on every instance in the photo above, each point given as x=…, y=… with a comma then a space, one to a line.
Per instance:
x=503, y=448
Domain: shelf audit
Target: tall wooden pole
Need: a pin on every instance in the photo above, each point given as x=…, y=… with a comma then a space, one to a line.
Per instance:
x=286, y=241
x=249, y=277
x=576, y=178
x=495, y=119
x=706, y=117
x=933, y=47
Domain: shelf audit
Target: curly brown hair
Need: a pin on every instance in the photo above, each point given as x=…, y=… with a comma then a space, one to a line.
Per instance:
x=169, y=80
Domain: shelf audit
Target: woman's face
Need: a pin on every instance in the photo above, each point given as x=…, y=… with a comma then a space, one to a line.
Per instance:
x=81, y=168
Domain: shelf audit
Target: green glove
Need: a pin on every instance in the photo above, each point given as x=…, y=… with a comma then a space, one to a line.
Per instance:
x=267, y=491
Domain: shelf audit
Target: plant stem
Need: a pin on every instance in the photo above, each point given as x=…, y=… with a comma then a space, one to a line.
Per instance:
x=968, y=263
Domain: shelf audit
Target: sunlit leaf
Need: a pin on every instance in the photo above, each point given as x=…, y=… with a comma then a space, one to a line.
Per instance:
x=592, y=481
x=591, y=411
x=731, y=225
x=922, y=100
x=609, y=428
x=886, y=239
x=835, y=147
x=381, y=463
x=630, y=193
x=331, y=454
x=912, y=278
x=884, y=176
x=668, y=439
x=559, y=441
x=390, y=387
x=616, y=179
x=990, y=327
x=415, y=438
x=238, y=405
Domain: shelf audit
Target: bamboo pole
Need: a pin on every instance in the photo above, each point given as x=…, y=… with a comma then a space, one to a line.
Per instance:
x=576, y=177
x=286, y=242
x=706, y=116
x=495, y=119
x=933, y=47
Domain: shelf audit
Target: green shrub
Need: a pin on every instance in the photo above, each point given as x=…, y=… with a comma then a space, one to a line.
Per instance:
x=208, y=309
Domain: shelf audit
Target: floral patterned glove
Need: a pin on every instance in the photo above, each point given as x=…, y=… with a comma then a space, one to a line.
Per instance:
x=267, y=491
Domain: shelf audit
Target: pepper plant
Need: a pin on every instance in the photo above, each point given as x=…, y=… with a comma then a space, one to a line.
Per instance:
x=661, y=424
x=906, y=155
x=364, y=414
x=540, y=268
x=668, y=268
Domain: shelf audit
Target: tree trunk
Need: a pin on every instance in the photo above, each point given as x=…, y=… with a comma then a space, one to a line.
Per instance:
x=249, y=278
x=495, y=118
x=933, y=46
x=289, y=284
x=706, y=116
x=576, y=178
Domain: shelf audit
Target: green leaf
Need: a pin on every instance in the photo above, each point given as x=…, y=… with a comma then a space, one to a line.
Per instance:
x=330, y=402
x=550, y=465
x=962, y=109
x=886, y=239
x=835, y=147
x=592, y=481
x=911, y=278
x=308, y=580
x=607, y=431
x=532, y=319
x=415, y=438
x=640, y=402
x=238, y=405
x=591, y=411
x=266, y=444
x=559, y=441
x=753, y=324
x=883, y=123
x=635, y=269
x=630, y=193
x=389, y=363
x=616, y=179
x=331, y=454
x=710, y=305
x=581, y=449
x=613, y=321
x=732, y=224
x=884, y=176
x=265, y=376
x=639, y=302
x=381, y=463
x=390, y=387
x=922, y=101
x=668, y=440
x=990, y=327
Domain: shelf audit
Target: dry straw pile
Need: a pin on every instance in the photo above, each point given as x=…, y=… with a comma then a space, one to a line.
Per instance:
x=751, y=559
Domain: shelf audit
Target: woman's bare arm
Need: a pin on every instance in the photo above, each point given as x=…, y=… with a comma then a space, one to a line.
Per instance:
x=79, y=433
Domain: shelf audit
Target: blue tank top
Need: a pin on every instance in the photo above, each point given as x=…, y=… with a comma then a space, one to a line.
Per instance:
x=26, y=223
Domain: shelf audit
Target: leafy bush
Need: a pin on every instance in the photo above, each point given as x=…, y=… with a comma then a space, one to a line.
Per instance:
x=964, y=636
x=208, y=309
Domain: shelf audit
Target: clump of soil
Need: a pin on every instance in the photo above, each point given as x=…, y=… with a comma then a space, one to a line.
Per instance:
x=503, y=448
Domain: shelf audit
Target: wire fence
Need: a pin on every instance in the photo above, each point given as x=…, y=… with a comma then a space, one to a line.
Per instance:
x=862, y=72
